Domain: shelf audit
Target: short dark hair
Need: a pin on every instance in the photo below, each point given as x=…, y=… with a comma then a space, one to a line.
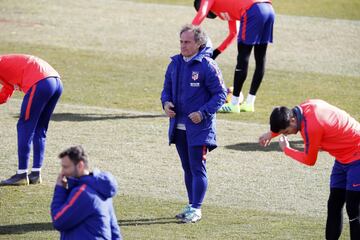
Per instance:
x=197, y=4
x=280, y=118
x=76, y=154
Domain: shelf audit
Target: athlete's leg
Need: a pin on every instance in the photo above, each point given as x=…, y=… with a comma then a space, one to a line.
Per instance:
x=336, y=201
x=256, y=29
x=30, y=112
x=260, y=59
x=241, y=69
x=353, y=198
x=182, y=149
x=197, y=156
x=334, y=220
x=352, y=209
x=54, y=86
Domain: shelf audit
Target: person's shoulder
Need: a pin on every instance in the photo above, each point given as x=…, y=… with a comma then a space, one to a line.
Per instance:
x=175, y=57
x=210, y=63
x=83, y=189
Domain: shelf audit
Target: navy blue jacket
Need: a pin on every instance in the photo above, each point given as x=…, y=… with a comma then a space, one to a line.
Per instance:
x=85, y=210
x=204, y=90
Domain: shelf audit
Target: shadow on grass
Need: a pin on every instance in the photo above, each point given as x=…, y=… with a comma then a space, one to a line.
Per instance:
x=148, y=221
x=27, y=227
x=81, y=117
x=36, y=227
x=254, y=147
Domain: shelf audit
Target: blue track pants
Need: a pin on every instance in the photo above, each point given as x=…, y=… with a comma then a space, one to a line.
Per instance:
x=36, y=109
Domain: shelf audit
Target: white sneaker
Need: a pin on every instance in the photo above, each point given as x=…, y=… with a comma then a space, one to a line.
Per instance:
x=192, y=216
x=183, y=212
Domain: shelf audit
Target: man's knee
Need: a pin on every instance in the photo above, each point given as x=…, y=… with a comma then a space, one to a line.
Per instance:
x=336, y=199
x=352, y=205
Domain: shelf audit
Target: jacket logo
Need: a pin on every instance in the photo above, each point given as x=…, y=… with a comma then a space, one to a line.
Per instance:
x=195, y=76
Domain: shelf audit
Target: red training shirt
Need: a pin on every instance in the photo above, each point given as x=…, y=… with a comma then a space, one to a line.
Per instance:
x=20, y=72
x=327, y=128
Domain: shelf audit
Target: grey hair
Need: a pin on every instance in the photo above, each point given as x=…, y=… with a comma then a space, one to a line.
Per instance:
x=199, y=34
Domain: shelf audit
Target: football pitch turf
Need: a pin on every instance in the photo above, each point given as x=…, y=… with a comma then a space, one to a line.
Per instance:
x=112, y=59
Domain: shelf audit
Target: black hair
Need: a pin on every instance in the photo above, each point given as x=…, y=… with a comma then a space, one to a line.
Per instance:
x=197, y=4
x=280, y=119
x=75, y=154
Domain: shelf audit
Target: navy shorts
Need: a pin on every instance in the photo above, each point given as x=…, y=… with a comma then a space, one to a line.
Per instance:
x=256, y=25
x=346, y=176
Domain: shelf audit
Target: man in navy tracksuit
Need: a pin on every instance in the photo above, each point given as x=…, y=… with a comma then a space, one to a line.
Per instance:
x=193, y=91
x=82, y=206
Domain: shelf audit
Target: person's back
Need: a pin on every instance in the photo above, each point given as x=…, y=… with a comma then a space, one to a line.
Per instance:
x=340, y=133
x=24, y=70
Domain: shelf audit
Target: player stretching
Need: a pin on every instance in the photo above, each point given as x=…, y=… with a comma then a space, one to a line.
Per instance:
x=328, y=128
x=256, y=30
x=42, y=87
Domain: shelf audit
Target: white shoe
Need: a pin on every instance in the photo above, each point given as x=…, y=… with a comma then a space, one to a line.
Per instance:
x=192, y=216
x=183, y=212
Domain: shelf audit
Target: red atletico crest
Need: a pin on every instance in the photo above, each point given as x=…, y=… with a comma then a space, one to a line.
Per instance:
x=195, y=76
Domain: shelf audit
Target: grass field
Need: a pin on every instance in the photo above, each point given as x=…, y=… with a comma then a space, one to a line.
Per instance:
x=112, y=59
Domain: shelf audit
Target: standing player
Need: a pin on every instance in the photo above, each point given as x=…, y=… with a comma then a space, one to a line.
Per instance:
x=256, y=30
x=42, y=87
x=328, y=128
x=193, y=91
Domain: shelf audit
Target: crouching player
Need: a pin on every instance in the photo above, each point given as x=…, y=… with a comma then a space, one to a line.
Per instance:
x=82, y=206
x=193, y=91
x=328, y=128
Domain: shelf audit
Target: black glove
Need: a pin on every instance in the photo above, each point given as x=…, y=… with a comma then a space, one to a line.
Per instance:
x=216, y=53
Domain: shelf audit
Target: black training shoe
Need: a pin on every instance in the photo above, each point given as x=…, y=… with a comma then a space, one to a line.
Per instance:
x=35, y=178
x=16, y=180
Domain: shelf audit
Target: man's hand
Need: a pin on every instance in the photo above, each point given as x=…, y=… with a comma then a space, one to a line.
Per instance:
x=169, y=109
x=265, y=139
x=195, y=117
x=283, y=142
x=216, y=53
x=61, y=181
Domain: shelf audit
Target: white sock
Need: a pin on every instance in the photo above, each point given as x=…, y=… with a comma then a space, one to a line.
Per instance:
x=197, y=211
x=36, y=169
x=237, y=100
x=21, y=171
x=250, y=100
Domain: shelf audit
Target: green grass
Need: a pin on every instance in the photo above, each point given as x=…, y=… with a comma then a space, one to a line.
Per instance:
x=148, y=218
x=94, y=78
x=118, y=62
x=344, y=9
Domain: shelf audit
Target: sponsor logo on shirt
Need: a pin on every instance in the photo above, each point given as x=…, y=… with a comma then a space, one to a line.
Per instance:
x=195, y=84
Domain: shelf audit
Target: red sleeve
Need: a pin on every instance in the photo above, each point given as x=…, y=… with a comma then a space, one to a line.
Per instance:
x=274, y=134
x=312, y=135
x=231, y=36
x=5, y=93
x=204, y=9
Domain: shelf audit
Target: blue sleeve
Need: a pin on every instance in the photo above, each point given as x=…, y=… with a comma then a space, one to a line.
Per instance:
x=166, y=94
x=115, y=229
x=68, y=210
x=215, y=84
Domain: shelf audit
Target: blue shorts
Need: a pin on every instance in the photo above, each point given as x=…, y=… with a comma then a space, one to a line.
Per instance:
x=256, y=25
x=346, y=176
